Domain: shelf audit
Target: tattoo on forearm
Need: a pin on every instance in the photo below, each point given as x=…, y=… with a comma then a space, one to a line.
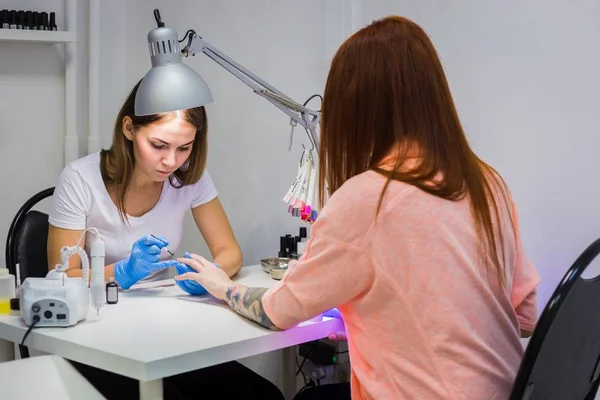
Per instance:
x=248, y=302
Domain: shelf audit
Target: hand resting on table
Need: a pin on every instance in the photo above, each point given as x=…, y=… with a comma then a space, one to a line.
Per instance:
x=339, y=336
x=204, y=274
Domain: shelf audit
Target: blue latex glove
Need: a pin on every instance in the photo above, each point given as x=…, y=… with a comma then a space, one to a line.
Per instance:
x=188, y=285
x=144, y=259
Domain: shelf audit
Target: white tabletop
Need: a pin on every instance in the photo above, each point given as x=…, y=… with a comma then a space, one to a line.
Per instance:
x=51, y=375
x=154, y=333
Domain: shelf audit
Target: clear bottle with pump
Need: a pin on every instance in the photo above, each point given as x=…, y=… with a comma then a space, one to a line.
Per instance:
x=7, y=290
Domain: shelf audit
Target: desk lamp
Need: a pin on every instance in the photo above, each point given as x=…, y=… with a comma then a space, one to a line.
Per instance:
x=171, y=85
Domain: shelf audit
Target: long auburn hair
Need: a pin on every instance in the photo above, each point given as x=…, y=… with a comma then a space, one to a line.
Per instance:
x=118, y=162
x=386, y=93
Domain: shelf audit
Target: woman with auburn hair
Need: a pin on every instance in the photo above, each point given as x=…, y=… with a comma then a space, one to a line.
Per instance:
x=418, y=245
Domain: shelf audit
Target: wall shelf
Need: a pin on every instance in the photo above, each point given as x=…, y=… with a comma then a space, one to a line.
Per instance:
x=23, y=36
x=68, y=38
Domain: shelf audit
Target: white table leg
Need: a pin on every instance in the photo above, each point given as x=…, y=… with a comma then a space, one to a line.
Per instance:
x=151, y=390
x=7, y=350
x=289, y=372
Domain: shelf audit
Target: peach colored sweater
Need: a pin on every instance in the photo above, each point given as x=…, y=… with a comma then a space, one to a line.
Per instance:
x=424, y=318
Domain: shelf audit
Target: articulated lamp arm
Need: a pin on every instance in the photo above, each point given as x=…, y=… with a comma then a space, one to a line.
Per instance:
x=299, y=113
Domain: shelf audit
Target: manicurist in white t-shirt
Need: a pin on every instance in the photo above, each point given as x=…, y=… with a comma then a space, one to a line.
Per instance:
x=144, y=185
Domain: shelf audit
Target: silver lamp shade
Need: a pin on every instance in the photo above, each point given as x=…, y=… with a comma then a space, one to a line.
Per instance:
x=170, y=85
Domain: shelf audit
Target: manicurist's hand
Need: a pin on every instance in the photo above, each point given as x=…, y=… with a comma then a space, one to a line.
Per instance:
x=144, y=259
x=205, y=274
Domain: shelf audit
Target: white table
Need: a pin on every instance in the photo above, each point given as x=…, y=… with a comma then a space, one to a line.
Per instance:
x=54, y=376
x=159, y=332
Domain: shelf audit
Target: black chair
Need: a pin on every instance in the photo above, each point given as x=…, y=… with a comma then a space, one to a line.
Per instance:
x=26, y=243
x=562, y=358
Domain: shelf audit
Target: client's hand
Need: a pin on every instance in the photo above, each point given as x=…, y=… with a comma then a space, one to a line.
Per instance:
x=144, y=259
x=206, y=274
x=339, y=336
x=189, y=285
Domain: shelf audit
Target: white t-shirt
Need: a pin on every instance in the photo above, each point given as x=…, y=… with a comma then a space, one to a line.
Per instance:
x=81, y=200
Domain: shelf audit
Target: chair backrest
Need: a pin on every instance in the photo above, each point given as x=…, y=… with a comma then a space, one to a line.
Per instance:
x=26, y=243
x=562, y=357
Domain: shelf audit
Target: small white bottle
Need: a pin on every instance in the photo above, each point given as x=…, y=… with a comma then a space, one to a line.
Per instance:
x=301, y=245
x=7, y=290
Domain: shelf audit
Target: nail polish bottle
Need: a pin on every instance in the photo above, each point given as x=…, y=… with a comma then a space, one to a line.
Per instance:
x=112, y=291
x=45, y=22
x=41, y=26
x=282, y=247
x=5, y=19
x=53, y=26
x=20, y=19
x=29, y=21
x=292, y=250
x=36, y=21
x=298, y=246
x=13, y=19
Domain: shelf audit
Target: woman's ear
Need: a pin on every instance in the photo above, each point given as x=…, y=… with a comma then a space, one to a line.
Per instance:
x=127, y=127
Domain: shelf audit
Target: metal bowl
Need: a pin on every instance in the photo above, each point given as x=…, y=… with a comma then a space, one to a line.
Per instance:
x=278, y=272
x=276, y=262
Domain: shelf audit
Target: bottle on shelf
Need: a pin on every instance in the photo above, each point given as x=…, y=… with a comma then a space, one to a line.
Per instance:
x=28, y=20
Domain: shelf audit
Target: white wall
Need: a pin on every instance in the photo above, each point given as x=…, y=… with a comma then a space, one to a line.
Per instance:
x=32, y=112
x=525, y=80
